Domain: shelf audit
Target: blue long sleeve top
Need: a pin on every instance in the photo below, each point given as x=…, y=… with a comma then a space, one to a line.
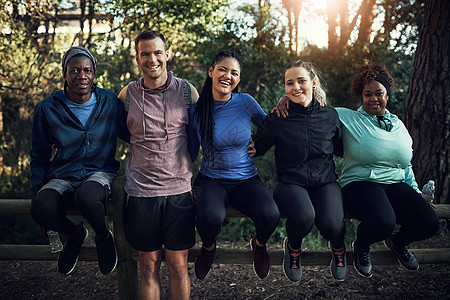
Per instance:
x=232, y=131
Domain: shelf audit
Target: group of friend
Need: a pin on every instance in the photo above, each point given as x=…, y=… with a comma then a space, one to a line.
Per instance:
x=166, y=121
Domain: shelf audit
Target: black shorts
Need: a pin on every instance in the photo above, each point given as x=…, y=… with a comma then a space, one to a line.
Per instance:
x=150, y=223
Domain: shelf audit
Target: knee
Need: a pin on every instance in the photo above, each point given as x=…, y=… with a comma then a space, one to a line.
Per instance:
x=383, y=224
x=44, y=205
x=331, y=229
x=303, y=219
x=178, y=273
x=271, y=217
x=177, y=270
x=430, y=225
x=90, y=194
x=149, y=269
x=210, y=219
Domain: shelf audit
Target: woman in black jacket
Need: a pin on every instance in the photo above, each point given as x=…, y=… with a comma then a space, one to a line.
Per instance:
x=307, y=191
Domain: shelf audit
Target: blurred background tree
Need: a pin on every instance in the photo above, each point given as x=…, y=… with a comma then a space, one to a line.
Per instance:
x=266, y=34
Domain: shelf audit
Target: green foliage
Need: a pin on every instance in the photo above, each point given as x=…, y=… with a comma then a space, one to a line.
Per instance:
x=27, y=75
x=195, y=30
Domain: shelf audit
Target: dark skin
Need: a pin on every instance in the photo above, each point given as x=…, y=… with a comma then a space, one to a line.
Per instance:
x=79, y=78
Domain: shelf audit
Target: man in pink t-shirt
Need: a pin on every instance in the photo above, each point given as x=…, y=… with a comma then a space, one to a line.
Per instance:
x=160, y=209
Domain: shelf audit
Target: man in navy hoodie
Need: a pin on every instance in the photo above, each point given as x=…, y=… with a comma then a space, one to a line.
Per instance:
x=74, y=141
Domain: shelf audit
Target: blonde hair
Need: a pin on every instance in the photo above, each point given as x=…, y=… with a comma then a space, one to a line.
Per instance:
x=318, y=91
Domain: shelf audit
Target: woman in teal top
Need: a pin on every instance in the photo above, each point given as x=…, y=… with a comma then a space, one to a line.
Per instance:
x=377, y=180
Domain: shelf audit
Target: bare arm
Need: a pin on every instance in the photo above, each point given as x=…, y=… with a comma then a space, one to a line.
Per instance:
x=123, y=94
x=194, y=94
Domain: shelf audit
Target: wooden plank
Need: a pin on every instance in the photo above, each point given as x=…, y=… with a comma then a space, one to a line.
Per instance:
x=41, y=252
x=233, y=256
x=22, y=207
x=127, y=270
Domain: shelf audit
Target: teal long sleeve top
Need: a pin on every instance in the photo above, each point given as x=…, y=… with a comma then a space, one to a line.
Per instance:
x=372, y=153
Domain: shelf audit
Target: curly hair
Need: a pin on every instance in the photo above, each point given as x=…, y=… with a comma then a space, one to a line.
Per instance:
x=365, y=74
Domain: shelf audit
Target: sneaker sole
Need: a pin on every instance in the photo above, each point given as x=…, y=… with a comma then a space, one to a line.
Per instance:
x=115, y=249
x=251, y=247
x=76, y=261
x=357, y=271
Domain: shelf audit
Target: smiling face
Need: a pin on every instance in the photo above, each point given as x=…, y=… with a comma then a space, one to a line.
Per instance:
x=79, y=78
x=374, y=98
x=152, y=57
x=298, y=85
x=225, y=76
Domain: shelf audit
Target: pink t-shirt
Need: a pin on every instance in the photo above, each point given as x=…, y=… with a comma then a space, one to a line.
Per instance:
x=160, y=164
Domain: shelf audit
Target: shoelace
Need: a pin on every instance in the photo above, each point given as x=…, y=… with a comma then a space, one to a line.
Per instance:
x=405, y=253
x=339, y=257
x=363, y=256
x=294, y=259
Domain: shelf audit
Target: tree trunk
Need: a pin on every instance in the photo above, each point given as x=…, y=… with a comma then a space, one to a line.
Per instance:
x=365, y=28
x=427, y=106
x=332, y=13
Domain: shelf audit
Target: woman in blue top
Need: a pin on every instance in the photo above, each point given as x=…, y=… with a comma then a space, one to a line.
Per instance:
x=221, y=123
x=377, y=180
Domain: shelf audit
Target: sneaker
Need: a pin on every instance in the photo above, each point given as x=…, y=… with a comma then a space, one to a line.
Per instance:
x=106, y=254
x=204, y=261
x=361, y=261
x=338, y=263
x=261, y=259
x=68, y=257
x=291, y=262
x=404, y=256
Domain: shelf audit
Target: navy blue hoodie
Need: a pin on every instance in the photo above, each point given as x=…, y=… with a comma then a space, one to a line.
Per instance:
x=80, y=151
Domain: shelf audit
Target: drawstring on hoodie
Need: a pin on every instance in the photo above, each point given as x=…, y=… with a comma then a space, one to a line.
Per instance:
x=164, y=105
x=165, y=117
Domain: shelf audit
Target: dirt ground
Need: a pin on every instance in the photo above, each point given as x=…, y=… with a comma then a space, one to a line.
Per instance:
x=40, y=280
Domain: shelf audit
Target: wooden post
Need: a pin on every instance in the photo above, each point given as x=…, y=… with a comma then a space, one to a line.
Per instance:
x=127, y=271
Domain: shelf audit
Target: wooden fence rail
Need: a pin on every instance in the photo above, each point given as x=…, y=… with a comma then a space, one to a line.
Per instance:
x=127, y=270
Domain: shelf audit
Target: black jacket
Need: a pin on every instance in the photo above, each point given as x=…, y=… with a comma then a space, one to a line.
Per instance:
x=304, y=142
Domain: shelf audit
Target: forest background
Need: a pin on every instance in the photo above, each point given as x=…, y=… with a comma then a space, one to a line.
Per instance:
x=410, y=37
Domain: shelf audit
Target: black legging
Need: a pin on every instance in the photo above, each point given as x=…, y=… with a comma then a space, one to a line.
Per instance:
x=49, y=208
x=380, y=207
x=302, y=207
x=249, y=196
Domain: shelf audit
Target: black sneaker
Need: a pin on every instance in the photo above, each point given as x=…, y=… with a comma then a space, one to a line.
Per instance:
x=338, y=264
x=404, y=256
x=361, y=261
x=106, y=254
x=204, y=261
x=261, y=259
x=291, y=262
x=68, y=257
